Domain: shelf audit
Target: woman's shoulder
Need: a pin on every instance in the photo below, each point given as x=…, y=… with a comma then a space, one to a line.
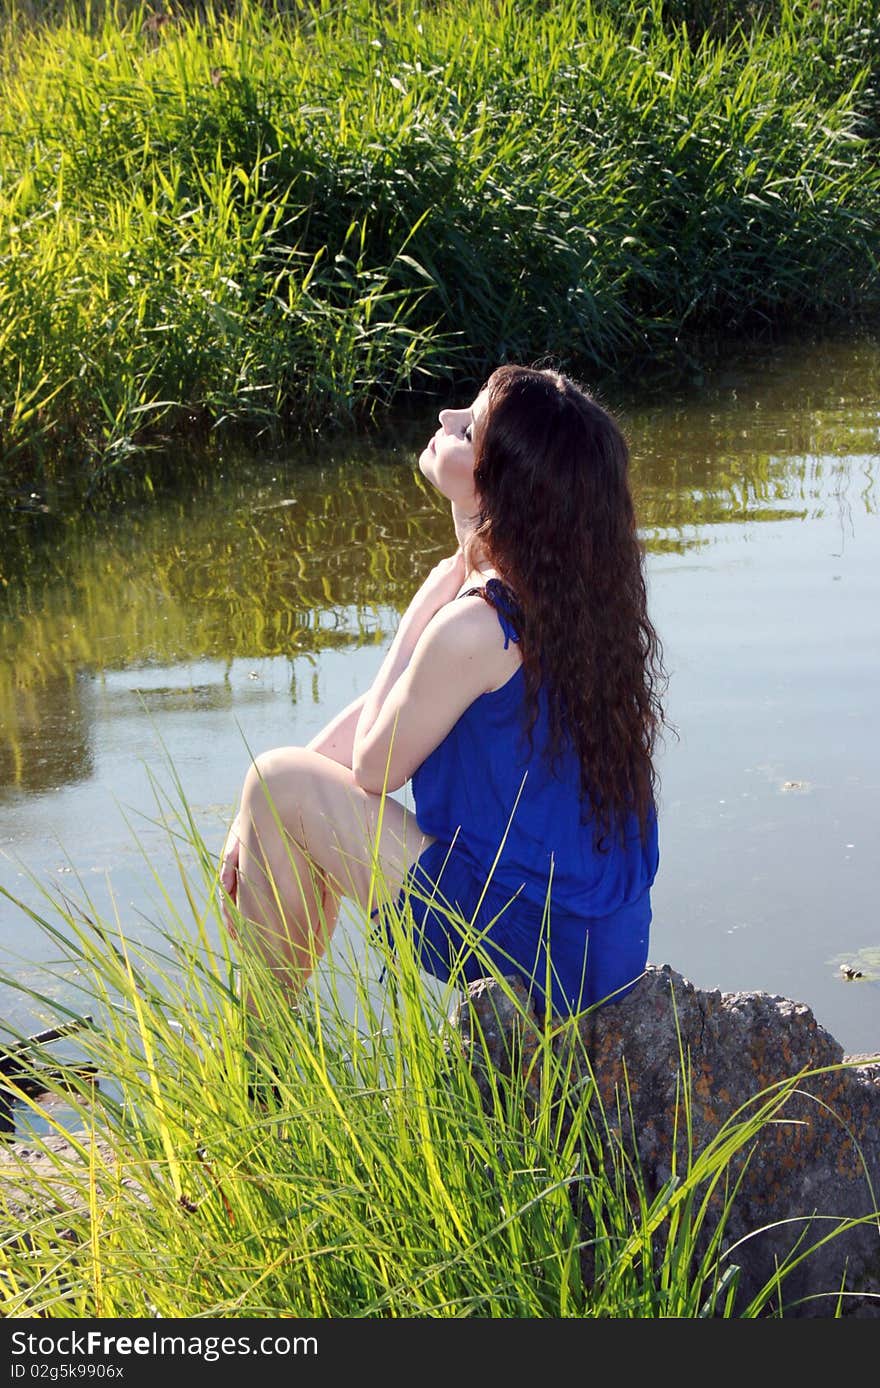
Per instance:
x=469, y=616
x=475, y=629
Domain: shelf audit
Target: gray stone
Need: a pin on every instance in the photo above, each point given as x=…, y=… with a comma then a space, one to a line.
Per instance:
x=809, y=1170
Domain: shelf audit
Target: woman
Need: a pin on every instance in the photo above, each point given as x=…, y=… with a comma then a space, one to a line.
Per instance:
x=521, y=695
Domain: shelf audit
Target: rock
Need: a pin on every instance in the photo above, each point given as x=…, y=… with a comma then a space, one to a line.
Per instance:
x=806, y=1172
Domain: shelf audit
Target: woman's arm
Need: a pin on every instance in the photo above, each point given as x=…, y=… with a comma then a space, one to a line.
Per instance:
x=336, y=740
x=339, y=738
x=439, y=588
x=451, y=666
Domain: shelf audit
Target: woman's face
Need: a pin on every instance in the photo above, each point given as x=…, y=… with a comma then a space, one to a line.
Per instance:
x=448, y=460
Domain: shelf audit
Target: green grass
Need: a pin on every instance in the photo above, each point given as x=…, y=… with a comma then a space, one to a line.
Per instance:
x=256, y=224
x=376, y=1178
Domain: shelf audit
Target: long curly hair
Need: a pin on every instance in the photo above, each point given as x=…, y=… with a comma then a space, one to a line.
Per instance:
x=557, y=522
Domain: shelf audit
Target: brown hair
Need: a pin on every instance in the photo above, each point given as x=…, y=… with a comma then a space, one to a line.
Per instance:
x=557, y=522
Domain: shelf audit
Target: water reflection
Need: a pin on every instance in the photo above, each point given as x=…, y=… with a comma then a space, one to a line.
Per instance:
x=46, y=733
x=287, y=556
x=250, y=607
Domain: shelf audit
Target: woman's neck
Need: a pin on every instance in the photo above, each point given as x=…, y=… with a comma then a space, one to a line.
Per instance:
x=479, y=565
x=464, y=524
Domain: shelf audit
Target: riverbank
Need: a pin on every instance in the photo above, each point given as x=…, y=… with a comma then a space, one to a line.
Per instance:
x=236, y=226
x=423, y=1156
x=665, y=1157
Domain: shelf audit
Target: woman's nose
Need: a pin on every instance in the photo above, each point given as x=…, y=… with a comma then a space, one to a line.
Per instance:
x=452, y=420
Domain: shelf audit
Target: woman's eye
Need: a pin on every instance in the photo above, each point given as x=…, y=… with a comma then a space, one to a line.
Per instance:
x=469, y=434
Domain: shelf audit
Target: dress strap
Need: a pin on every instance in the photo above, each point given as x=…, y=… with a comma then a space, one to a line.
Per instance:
x=499, y=596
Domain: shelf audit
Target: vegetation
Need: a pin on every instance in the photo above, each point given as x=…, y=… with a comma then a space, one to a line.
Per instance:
x=255, y=221
x=264, y=219
x=336, y=1160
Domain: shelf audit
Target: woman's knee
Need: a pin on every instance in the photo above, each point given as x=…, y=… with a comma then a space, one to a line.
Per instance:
x=274, y=779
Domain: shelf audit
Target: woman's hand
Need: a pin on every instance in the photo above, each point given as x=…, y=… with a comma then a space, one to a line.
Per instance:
x=229, y=872
x=440, y=587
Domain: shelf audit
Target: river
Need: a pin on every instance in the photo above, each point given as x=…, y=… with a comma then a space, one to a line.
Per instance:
x=241, y=612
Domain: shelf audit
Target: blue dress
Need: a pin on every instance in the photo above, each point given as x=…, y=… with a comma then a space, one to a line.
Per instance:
x=521, y=880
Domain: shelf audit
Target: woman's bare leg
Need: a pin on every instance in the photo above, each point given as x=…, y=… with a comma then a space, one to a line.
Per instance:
x=309, y=836
x=334, y=741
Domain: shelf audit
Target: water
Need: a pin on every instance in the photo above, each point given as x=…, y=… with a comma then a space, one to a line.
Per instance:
x=244, y=612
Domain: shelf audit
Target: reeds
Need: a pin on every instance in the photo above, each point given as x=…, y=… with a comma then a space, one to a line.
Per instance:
x=242, y=220
x=339, y=1158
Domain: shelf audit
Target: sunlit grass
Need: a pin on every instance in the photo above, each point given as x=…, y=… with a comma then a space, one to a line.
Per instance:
x=338, y=1158
x=244, y=222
